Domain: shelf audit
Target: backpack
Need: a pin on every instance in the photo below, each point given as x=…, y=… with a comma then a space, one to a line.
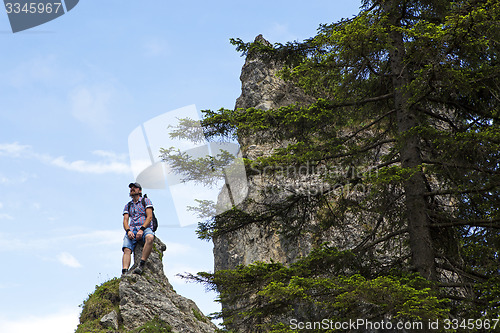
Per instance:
x=154, y=220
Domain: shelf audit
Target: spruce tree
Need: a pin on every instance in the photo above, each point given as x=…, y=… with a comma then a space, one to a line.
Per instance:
x=406, y=94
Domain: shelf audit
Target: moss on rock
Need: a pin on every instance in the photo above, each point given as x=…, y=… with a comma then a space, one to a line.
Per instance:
x=102, y=301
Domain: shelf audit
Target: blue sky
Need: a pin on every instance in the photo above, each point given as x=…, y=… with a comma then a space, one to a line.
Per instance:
x=71, y=92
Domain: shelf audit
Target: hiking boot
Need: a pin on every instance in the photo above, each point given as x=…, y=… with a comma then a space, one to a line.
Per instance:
x=138, y=270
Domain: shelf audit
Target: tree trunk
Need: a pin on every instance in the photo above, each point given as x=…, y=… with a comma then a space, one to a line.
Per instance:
x=422, y=252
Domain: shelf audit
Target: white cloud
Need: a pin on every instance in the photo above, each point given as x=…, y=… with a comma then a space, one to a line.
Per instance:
x=5, y=217
x=63, y=321
x=111, y=155
x=91, y=167
x=67, y=259
x=110, y=161
x=14, y=149
x=92, y=239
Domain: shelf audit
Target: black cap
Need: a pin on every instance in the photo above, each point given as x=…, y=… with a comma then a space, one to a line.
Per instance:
x=135, y=185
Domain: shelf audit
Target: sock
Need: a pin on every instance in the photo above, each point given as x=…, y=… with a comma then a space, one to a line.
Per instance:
x=124, y=271
x=142, y=263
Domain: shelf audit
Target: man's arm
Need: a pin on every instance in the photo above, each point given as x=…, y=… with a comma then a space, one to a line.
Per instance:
x=126, y=227
x=149, y=217
x=147, y=221
x=148, y=205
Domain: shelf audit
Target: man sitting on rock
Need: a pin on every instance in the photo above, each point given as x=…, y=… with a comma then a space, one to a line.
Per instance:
x=136, y=222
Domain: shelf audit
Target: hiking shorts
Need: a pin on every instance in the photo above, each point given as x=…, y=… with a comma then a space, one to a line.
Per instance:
x=131, y=243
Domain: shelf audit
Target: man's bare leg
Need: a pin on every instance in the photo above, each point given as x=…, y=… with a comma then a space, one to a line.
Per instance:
x=148, y=247
x=127, y=258
x=146, y=251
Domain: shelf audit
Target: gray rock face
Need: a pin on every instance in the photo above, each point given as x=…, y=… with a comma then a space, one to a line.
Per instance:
x=144, y=297
x=261, y=88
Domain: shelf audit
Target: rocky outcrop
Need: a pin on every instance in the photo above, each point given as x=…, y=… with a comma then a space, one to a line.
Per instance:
x=261, y=88
x=150, y=295
x=135, y=303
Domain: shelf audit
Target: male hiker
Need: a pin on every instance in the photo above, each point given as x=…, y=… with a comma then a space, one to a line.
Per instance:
x=136, y=222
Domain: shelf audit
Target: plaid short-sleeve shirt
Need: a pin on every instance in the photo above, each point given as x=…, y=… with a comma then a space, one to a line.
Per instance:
x=137, y=214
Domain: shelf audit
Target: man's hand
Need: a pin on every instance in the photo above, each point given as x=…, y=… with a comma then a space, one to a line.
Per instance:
x=130, y=235
x=139, y=235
